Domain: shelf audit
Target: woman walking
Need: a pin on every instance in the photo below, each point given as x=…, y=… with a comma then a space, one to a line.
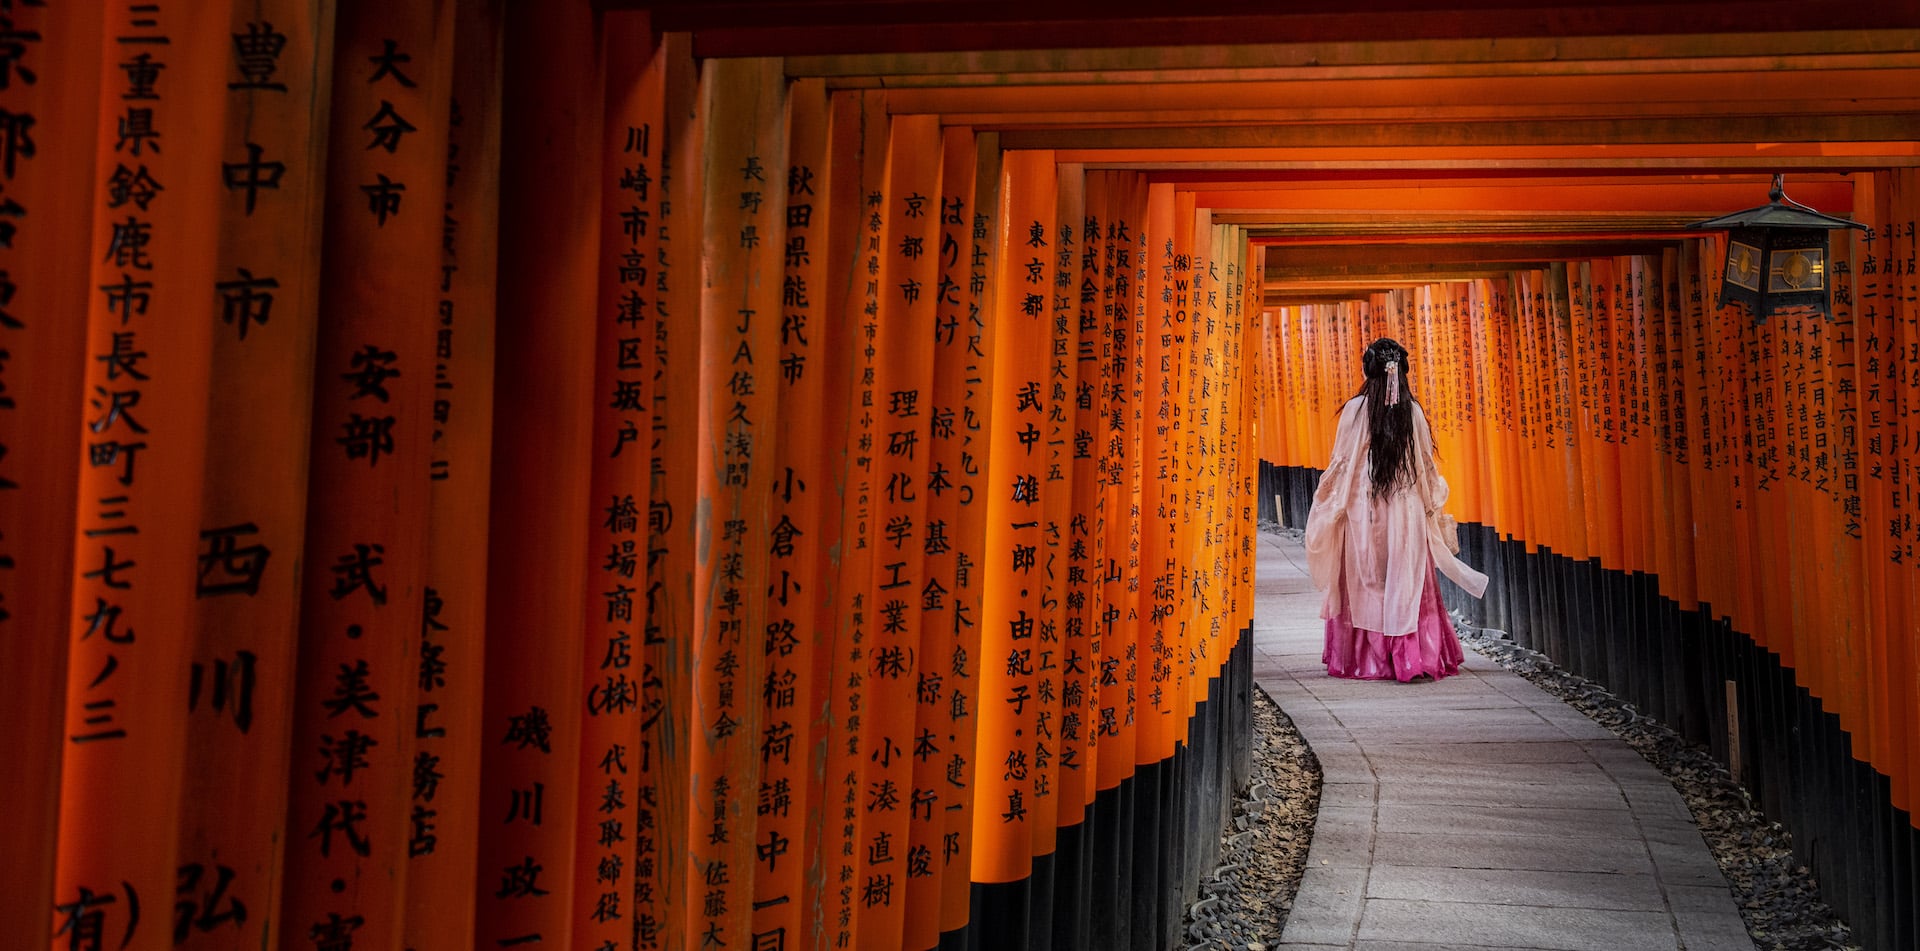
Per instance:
x=1375, y=536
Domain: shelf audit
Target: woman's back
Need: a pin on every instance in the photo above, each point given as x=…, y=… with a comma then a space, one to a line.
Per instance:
x=1373, y=544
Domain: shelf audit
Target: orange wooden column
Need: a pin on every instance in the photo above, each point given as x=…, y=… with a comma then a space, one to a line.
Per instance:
x=1251, y=344
x=1680, y=579
x=1570, y=454
x=800, y=544
x=1527, y=326
x=1200, y=455
x=1901, y=421
x=742, y=115
x=1241, y=455
x=1590, y=298
x=908, y=279
x=825, y=169
x=1159, y=447
x=950, y=491
x=44, y=301
x=1086, y=530
x=1057, y=502
x=974, y=427
x=1735, y=328
x=1867, y=324
x=1903, y=216
x=1701, y=430
x=1726, y=385
x=443, y=841
x=1630, y=308
x=550, y=168
x=1114, y=660
x=1008, y=701
x=161, y=88
x=254, y=495
x=1163, y=696
x=349, y=816
x=613, y=671
x=1841, y=476
x=858, y=131
x=660, y=770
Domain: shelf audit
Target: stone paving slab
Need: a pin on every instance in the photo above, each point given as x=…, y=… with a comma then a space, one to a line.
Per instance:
x=1549, y=821
x=1562, y=773
x=1501, y=851
x=1515, y=795
x=1508, y=751
x=1478, y=812
x=1518, y=887
x=1499, y=926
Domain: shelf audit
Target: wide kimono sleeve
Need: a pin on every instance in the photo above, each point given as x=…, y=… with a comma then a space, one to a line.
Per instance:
x=1327, y=519
x=1432, y=487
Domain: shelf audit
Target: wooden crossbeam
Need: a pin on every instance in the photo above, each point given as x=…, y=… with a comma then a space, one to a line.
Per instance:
x=1692, y=84
x=829, y=27
x=1374, y=260
x=1894, y=127
x=1271, y=224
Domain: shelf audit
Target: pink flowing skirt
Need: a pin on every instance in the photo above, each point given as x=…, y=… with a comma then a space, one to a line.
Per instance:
x=1433, y=648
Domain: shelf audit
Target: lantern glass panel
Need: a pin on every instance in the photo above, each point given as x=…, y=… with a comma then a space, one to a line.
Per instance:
x=1795, y=269
x=1743, y=265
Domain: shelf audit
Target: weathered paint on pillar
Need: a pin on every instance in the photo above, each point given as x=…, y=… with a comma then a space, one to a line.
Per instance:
x=802, y=543
x=743, y=126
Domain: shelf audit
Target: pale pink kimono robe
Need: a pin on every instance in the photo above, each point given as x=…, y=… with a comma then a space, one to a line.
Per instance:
x=1371, y=555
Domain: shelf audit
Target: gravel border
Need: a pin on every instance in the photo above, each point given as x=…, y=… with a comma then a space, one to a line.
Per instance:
x=1778, y=898
x=1243, y=905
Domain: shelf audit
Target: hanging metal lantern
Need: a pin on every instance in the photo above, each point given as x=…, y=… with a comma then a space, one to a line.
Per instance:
x=1776, y=255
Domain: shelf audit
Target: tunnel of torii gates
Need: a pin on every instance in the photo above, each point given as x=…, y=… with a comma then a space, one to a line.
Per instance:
x=481, y=475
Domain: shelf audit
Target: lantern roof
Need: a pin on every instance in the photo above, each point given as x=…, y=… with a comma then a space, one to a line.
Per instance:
x=1780, y=212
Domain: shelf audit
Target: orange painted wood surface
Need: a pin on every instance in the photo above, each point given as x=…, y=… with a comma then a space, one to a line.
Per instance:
x=971, y=530
x=948, y=602
x=254, y=493
x=660, y=887
x=444, y=791
x=350, y=820
x=614, y=672
x=803, y=541
x=742, y=111
x=537, y=574
x=1126, y=600
x=1008, y=701
x=143, y=399
x=43, y=330
x=858, y=135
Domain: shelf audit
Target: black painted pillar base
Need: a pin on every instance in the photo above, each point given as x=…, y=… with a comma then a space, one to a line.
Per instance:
x=1122, y=878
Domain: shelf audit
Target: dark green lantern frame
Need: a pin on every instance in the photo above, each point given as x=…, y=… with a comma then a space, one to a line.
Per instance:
x=1776, y=255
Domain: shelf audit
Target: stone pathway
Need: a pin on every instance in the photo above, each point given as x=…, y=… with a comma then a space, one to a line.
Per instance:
x=1478, y=811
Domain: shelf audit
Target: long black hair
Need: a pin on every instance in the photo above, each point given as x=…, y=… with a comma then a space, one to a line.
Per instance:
x=1389, y=424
